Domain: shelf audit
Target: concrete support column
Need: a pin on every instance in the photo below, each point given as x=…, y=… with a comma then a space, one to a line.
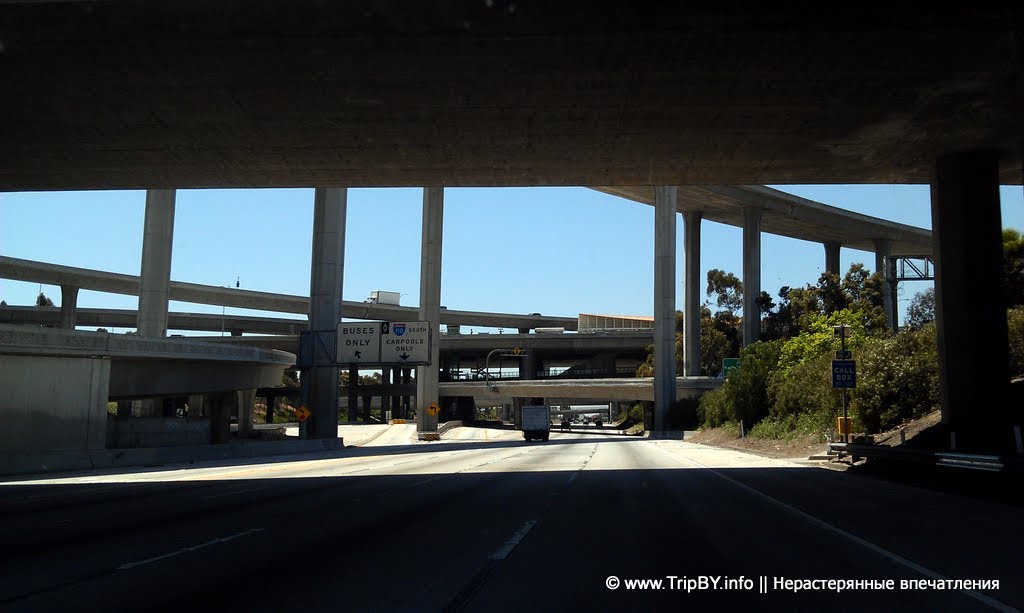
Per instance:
x=664, y=303
x=269, y=417
x=68, y=306
x=367, y=404
x=832, y=256
x=385, y=398
x=397, y=410
x=196, y=406
x=155, y=274
x=218, y=407
x=751, y=274
x=528, y=366
x=245, y=399
x=353, y=397
x=430, y=306
x=320, y=387
x=970, y=301
x=883, y=249
x=406, y=401
x=691, y=293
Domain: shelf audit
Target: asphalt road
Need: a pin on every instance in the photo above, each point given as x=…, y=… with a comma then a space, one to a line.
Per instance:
x=494, y=525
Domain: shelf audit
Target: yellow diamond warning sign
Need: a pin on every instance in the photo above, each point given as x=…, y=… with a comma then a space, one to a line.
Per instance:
x=433, y=409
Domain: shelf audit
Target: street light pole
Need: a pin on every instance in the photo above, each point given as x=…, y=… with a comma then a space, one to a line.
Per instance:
x=487, y=362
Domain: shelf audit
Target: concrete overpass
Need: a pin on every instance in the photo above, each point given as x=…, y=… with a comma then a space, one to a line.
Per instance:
x=74, y=278
x=65, y=378
x=306, y=93
x=325, y=95
x=638, y=389
x=791, y=216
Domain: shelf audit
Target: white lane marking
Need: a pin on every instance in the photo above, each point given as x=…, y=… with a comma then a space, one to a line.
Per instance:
x=927, y=572
x=215, y=541
x=590, y=457
x=510, y=544
x=426, y=481
x=251, y=489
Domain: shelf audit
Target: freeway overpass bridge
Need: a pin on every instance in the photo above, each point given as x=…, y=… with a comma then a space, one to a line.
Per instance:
x=326, y=95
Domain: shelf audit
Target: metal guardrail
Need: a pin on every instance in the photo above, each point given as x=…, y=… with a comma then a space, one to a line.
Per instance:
x=990, y=463
x=966, y=460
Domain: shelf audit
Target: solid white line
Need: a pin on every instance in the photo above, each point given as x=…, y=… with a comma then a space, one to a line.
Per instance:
x=188, y=549
x=927, y=572
x=510, y=544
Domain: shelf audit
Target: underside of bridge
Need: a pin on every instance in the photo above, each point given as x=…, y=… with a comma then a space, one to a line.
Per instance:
x=500, y=92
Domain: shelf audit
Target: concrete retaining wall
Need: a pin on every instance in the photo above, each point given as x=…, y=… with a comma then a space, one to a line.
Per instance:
x=53, y=403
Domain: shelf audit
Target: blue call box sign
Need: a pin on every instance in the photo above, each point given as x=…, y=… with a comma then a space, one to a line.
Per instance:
x=844, y=373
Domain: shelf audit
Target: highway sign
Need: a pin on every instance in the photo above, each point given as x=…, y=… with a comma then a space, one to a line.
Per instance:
x=359, y=342
x=406, y=343
x=844, y=373
x=433, y=409
x=302, y=413
x=513, y=353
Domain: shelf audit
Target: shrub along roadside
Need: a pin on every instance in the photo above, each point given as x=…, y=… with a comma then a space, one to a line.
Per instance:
x=744, y=394
x=785, y=394
x=897, y=379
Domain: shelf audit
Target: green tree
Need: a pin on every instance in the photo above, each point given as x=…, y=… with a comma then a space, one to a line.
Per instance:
x=715, y=346
x=831, y=293
x=819, y=338
x=43, y=301
x=745, y=391
x=1015, y=323
x=719, y=339
x=750, y=382
x=921, y=310
x=864, y=292
x=780, y=321
x=727, y=289
x=1013, y=266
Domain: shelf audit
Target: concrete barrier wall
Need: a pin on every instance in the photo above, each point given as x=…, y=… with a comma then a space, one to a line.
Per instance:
x=157, y=432
x=53, y=403
x=448, y=425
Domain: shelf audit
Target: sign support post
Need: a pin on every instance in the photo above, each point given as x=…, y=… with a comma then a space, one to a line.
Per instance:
x=844, y=375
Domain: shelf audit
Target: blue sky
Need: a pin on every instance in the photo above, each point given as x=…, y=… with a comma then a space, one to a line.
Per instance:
x=557, y=251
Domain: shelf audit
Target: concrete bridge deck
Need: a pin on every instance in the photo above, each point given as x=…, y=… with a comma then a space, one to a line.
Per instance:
x=148, y=367
x=641, y=388
x=117, y=283
x=791, y=216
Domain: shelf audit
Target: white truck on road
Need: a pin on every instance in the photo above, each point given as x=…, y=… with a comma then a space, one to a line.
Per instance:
x=381, y=297
x=536, y=422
